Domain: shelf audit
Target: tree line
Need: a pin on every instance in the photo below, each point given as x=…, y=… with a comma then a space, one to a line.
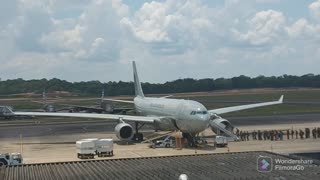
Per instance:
x=112, y=88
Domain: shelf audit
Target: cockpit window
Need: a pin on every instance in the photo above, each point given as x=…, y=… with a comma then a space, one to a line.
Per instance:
x=198, y=112
x=193, y=113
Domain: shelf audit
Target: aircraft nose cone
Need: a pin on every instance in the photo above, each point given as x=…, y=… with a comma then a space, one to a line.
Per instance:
x=204, y=118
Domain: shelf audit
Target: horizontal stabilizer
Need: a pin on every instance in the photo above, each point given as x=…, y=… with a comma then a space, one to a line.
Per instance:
x=117, y=100
x=166, y=96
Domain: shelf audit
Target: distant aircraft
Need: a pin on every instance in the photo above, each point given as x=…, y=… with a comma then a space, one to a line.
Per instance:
x=103, y=107
x=6, y=112
x=46, y=107
x=189, y=117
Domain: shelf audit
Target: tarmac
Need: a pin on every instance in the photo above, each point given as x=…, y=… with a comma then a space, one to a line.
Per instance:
x=51, y=142
x=42, y=143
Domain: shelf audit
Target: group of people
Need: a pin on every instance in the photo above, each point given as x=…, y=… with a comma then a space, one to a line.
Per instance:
x=275, y=135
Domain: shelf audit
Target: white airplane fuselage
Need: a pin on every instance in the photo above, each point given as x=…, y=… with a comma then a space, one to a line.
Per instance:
x=185, y=115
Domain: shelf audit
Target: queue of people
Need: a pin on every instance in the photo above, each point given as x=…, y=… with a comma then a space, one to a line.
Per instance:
x=275, y=135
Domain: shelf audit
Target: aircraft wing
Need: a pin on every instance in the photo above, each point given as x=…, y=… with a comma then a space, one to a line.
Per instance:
x=117, y=100
x=243, y=107
x=166, y=96
x=146, y=119
x=82, y=107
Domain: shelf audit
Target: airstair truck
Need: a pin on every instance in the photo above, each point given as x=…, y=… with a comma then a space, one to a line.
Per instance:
x=104, y=147
x=85, y=149
x=10, y=159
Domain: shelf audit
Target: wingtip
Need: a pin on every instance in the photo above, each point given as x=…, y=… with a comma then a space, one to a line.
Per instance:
x=281, y=99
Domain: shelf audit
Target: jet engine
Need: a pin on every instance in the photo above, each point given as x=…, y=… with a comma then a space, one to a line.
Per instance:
x=124, y=131
x=218, y=123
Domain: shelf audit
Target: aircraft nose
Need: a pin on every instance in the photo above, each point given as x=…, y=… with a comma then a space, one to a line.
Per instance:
x=204, y=117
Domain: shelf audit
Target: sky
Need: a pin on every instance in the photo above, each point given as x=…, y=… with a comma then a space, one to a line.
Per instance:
x=82, y=40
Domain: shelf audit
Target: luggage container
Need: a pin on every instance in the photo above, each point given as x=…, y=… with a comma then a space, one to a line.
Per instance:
x=104, y=147
x=85, y=149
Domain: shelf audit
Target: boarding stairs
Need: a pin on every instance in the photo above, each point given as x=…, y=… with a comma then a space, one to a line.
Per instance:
x=223, y=131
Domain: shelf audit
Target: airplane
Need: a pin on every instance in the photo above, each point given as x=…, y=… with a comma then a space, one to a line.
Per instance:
x=46, y=107
x=187, y=116
x=102, y=107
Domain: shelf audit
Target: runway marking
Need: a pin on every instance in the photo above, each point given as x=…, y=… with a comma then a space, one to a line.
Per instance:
x=135, y=154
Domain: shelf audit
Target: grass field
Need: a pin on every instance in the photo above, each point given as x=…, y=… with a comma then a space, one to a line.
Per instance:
x=211, y=100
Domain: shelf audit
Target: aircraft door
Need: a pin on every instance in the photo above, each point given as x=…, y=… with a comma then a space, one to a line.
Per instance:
x=181, y=108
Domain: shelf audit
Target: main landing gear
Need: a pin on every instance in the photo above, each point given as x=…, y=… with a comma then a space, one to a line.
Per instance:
x=191, y=138
x=138, y=136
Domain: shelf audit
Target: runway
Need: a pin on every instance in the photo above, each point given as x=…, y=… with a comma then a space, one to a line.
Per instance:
x=96, y=126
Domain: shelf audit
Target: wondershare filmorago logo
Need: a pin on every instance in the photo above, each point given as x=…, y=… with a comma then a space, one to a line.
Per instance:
x=264, y=164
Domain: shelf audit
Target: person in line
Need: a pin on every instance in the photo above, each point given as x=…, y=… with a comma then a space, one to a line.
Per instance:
x=280, y=135
x=288, y=134
x=307, y=130
x=314, y=133
x=301, y=134
x=276, y=135
x=272, y=135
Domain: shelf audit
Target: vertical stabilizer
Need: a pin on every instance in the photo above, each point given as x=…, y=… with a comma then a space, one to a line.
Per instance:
x=137, y=85
x=44, y=97
x=102, y=96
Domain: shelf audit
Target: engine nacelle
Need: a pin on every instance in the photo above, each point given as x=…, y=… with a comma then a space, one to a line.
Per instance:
x=124, y=131
x=222, y=123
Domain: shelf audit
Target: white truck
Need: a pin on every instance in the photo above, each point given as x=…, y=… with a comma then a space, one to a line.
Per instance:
x=10, y=159
x=221, y=141
x=104, y=147
x=85, y=149
x=166, y=143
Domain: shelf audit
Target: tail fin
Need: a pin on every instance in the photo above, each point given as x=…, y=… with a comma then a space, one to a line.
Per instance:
x=102, y=96
x=44, y=97
x=137, y=84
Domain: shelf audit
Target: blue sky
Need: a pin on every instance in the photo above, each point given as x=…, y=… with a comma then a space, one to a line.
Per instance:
x=81, y=40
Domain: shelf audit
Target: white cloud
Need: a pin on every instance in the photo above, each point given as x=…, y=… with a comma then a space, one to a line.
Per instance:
x=302, y=29
x=96, y=39
x=170, y=27
x=265, y=27
x=315, y=9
